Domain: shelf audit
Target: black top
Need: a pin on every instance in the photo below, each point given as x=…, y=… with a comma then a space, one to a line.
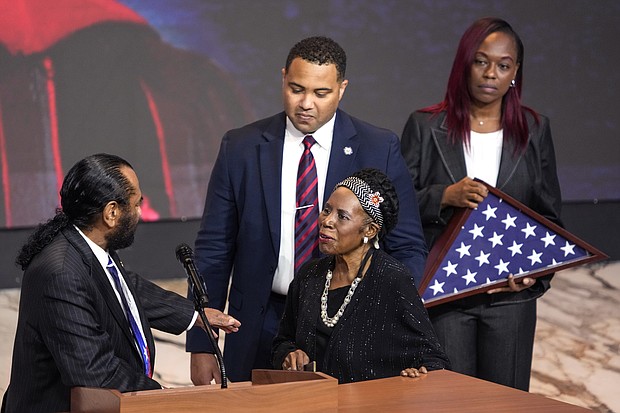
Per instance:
x=335, y=298
x=384, y=329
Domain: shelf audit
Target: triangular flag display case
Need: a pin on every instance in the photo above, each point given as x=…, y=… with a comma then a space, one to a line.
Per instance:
x=481, y=247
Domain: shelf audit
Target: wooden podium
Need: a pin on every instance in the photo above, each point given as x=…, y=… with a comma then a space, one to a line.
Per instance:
x=284, y=391
x=443, y=391
x=269, y=391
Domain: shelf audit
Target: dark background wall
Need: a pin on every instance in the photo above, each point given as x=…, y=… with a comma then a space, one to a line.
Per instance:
x=400, y=54
x=153, y=253
x=399, y=57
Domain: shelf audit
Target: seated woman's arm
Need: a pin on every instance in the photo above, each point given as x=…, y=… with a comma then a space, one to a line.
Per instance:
x=417, y=323
x=284, y=342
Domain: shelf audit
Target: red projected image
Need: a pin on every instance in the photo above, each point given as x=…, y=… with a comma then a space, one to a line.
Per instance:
x=84, y=76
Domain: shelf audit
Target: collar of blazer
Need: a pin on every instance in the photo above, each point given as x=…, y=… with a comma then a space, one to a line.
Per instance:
x=344, y=151
x=100, y=278
x=270, y=170
x=453, y=156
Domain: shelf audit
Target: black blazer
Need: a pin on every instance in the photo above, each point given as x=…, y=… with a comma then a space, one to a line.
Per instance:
x=72, y=330
x=434, y=163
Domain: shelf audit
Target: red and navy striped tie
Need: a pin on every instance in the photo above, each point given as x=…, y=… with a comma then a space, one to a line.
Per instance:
x=307, y=213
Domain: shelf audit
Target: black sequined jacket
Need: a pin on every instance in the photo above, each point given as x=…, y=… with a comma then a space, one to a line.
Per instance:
x=384, y=329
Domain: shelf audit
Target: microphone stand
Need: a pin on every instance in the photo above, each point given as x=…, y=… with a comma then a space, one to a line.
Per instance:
x=201, y=299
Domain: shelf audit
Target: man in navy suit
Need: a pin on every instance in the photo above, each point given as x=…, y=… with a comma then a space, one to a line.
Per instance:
x=247, y=229
x=84, y=321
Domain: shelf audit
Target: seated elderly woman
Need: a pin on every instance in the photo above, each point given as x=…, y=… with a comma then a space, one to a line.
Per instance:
x=356, y=312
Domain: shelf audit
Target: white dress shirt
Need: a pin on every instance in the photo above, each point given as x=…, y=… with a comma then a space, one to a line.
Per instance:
x=293, y=149
x=484, y=155
x=103, y=256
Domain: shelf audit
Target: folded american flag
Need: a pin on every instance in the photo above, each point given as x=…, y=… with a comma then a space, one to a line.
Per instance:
x=481, y=247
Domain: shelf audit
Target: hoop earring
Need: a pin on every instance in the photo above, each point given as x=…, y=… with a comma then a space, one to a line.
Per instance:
x=365, y=240
x=513, y=83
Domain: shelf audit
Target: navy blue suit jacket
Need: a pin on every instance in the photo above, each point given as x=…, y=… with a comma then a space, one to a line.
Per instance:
x=240, y=230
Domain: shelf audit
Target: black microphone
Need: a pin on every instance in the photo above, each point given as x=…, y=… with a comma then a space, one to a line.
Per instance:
x=185, y=255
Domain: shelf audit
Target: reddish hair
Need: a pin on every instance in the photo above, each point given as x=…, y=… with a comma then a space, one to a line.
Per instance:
x=457, y=101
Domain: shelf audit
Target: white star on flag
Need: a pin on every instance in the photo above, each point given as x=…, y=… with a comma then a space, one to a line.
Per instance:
x=476, y=231
x=463, y=250
x=496, y=239
x=548, y=239
x=535, y=257
x=515, y=249
x=509, y=221
x=529, y=230
x=501, y=267
x=450, y=269
x=470, y=277
x=483, y=258
x=568, y=249
x=490, y=212
x=437, y=287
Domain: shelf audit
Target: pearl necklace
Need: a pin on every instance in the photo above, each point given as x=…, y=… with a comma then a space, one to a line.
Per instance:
x=332, y=321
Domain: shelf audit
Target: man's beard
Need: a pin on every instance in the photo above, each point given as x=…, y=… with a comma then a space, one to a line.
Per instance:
x=123, y=235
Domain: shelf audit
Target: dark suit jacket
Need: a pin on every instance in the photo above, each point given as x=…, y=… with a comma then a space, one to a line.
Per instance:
x=72, y=330
x=384, y=329
x=434, y=163
x=241, y=222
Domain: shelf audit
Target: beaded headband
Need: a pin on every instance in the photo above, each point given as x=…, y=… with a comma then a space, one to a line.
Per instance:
x=369, y=200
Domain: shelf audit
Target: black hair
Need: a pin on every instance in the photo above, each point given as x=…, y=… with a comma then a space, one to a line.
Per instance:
x=322, y=51
x=379, y=182
x=87, y=188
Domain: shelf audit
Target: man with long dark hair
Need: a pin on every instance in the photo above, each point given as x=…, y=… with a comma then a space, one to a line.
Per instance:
x=83, y=319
